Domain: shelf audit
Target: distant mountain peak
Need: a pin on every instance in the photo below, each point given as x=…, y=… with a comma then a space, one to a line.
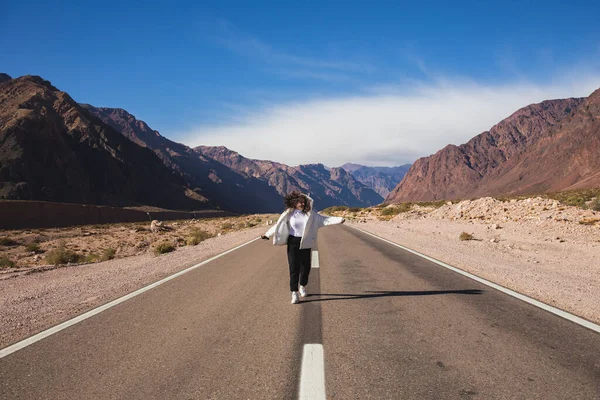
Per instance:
x=4, y=77
x=381, y=179
x=351, y=167
x=328, y=186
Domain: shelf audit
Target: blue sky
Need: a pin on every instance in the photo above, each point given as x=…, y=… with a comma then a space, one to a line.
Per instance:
x=378, y=83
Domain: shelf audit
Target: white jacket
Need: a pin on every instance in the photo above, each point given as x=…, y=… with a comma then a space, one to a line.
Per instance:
x=281, y=230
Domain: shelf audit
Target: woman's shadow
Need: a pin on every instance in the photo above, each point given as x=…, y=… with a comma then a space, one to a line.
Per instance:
x=383, y=293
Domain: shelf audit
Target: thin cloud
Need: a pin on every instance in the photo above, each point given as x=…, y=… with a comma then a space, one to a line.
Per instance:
x=384, y=127
x=252, y=47
x=309, y=74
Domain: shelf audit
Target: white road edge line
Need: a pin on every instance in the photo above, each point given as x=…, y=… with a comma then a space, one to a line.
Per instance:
x=35, y=338
x=314, y=259
x=312, y=375
x=537, y=303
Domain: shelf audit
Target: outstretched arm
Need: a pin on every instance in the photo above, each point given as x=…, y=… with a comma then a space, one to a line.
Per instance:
x=269, y=233
x=324, y=221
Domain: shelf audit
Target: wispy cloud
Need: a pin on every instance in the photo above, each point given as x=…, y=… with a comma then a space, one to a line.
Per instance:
x=390, y=125
x=300, y=66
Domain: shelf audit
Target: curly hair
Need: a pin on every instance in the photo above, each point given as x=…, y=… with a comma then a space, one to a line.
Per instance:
x=291, y=199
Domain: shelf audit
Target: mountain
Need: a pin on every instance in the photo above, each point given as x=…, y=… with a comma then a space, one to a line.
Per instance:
x=548, y=146
x=327, y=186
x=381, y=179
x=350, y=167
x=53, y=149
x=230, y=189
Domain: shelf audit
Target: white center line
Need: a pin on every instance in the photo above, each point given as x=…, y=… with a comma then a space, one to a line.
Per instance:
x=314, y=259
x=312, y=375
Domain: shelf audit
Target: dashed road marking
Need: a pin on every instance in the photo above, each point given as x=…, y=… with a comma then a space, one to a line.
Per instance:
x=312, y=375
x=314, y=259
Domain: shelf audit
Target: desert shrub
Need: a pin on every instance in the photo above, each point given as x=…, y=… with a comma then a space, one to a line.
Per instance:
x=397, y=209
x=196, y=236
x=390, y=211
x=250, y=224
x=108, y=254
x=354, y=209
x=574, y=200
x=163, y=248
x=259, y=220
x=333, y=209
x=578, y=197
x=33, y=247
x=6, y=263
x=90, y=258
x=227, y=225
x=61, y=255
x=465, y=236
x=4, y=241
x=595, y=204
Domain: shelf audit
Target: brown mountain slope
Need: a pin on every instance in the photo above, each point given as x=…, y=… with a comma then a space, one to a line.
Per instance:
x=569, y=158
x=52, y=149
x=328, y=187
x=229, y=189
x=466, y=171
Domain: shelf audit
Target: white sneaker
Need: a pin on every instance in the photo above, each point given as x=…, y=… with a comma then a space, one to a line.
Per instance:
x=302, y=291
x=295, y=298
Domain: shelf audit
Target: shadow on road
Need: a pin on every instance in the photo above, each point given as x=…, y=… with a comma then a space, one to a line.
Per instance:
x=381, y=293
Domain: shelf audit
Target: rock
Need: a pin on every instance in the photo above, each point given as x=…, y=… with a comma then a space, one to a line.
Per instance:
x=156, y=226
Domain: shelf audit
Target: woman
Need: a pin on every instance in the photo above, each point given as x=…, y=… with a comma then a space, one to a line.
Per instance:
x=297, y=227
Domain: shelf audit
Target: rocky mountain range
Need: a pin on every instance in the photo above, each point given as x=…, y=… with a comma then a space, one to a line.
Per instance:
x=226, y=177
x=381, y=179
x=327, y=186
x=550, y=146
x=225, y=187
x=53, y=149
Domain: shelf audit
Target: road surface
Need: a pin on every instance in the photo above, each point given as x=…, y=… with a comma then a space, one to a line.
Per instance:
x=391, y=325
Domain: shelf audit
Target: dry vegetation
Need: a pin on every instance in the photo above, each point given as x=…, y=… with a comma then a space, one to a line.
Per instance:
x=585, y=199
x=32, y=250
x=381, y=212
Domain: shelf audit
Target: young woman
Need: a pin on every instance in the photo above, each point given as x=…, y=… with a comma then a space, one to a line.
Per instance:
x=297, y=227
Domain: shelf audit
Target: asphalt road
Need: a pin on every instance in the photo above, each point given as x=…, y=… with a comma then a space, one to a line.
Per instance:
x=392, y=326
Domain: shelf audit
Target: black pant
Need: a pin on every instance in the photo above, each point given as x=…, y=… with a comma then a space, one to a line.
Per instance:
x=299, y=261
